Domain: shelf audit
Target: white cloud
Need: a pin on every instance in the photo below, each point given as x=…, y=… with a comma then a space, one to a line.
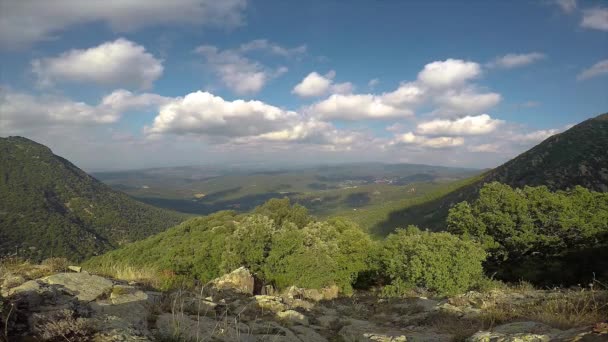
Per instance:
x=567, y=6
x=595, y=18
x=513, y=60
x=448, y=73
x=485, y=148
x=22, y=111
x=25, y=22
x=241, y=74
x=118, y=63
x=356, y=107
x=203, y=113
x=406, y=95
x=315, y=84
x=468, y=125
x=467, y=101
x=373, y=83
x=422, y=141
x=243, y=122
x=598, y=69
x=535, y=136
x=273, y=48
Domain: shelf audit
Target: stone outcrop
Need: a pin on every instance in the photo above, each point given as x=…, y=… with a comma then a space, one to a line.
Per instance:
x=239, y=280
x=84, y=307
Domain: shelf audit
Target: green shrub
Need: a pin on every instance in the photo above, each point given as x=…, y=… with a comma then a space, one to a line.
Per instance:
x=440, y=262
x=549, y=238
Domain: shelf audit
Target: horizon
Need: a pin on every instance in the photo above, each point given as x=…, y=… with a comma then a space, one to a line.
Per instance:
x=198, y=83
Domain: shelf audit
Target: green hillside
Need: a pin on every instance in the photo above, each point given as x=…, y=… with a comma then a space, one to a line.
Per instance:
x=49, y=207
x=577, y=156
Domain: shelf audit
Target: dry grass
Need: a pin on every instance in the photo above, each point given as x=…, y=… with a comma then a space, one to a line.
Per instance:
x=17, y=267
x=562, y=310
x=143, y=275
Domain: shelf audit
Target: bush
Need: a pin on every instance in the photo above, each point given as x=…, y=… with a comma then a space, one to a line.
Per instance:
x=440, y=262
x=319, y=255
x=549, y=238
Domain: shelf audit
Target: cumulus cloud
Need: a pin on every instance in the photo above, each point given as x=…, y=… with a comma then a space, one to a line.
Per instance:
x=513, y=60
x=204, y=113
x=598, y=69
x=241, y=74
x=534, y=136
x=273, y=48
x=422, y=141
x=356, y=107
x=373, y=83
x=567, y=6
x=25, y=22
x=595, y=18
x=488, y=148
x=449, y=73
x=243, y=122
x=442, y=83
x=466, y=101
x=118, y=63
x=22, y=111
x=315, y=84
x=468, y=125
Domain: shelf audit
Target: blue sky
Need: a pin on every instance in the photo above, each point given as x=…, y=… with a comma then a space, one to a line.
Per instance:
x=154, y=83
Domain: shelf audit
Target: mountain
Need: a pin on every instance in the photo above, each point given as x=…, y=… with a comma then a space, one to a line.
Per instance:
x=49, y=207
x=578, y=156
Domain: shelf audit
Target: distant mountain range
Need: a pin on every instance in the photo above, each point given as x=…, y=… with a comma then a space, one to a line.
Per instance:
x=578, y=156
x=49, y=207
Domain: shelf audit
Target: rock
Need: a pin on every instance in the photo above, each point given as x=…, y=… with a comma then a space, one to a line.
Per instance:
x=239, y=280
x=306, y=334
x=271, y=331
x=184, y=327
x=127, y=303
x=270, y=303
x=293, y=317
x=326, y=293
x=327, y=321
x=76, y=269
x=363, y=331
x=85, y=287
x=11, y=281
x=516, y=332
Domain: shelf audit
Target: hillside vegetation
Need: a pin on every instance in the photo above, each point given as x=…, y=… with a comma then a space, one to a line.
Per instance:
x=577, y=156
x=522, y=234
x=49, y=207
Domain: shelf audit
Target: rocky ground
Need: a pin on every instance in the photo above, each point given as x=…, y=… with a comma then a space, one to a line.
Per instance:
x=78, y=306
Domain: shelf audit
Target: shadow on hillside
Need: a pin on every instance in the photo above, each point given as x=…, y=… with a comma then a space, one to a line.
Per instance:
x=429, y=215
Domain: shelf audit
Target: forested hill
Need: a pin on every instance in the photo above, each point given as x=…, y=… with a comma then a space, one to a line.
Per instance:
x=578, y=156
x=49, y=207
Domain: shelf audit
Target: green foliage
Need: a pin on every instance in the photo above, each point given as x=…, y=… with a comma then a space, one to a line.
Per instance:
x=50, y=208
x=534, y=226
x=281, y=211
x=315, y=255
x=440, y=262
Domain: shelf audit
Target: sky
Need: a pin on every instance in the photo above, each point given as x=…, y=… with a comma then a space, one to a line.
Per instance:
x=114, y=85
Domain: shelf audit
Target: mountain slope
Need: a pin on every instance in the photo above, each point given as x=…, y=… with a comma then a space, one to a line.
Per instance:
x=578, y=156
x=49, y=207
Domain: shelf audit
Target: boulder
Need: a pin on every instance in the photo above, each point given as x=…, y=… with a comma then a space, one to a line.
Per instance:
x=306, y=334
x=76, y=269
x=364, y=331
x=239, y=280
x=292, y=316
x=270, y=303
x=326, y=293
x=199, y=328
x=85, y=287
x=516, y=332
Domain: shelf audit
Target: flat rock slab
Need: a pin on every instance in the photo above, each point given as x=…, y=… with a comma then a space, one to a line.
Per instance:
x=85, y=287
